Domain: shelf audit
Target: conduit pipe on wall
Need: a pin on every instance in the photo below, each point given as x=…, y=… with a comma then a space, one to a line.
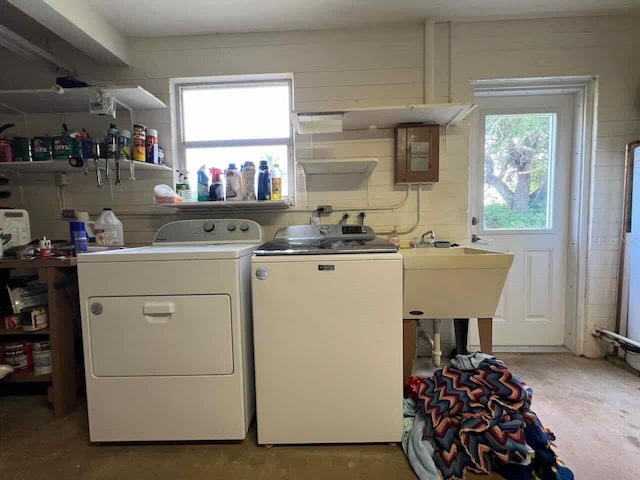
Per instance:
x=429, y=60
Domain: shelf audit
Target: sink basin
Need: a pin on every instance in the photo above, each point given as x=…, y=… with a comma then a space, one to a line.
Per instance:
x=455, y=282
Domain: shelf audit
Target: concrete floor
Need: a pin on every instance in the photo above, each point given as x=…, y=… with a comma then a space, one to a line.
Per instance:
x=593, y=407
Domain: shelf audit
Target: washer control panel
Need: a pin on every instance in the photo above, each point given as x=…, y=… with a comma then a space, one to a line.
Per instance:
x=211, y=231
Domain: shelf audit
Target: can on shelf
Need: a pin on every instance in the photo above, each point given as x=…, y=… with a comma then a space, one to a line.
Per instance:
x=138, y=141
x=125, y=145
x=152, y=145
x=22, y=149
x=41, y=357
x=41, y=148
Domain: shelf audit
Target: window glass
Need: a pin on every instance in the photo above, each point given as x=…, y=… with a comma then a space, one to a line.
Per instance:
x=236, y=112
x=220, y=157
x=518, y=171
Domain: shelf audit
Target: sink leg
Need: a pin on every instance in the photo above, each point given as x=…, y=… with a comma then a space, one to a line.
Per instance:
x=409, y=334
x=485, y=331
x=436, y=353
x=461, y=327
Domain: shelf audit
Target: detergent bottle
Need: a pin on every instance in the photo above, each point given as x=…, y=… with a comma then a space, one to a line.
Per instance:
x=203, y=184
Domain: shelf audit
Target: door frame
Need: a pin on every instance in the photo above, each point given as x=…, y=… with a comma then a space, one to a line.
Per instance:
x=585, y=91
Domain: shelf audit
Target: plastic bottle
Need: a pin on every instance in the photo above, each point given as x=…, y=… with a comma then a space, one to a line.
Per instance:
x=395, y=238
x=264, y=181
x=249, y=180
x=234, y=183
x=89, y=225
x=216, y=190
x=109, y=229
x=112, y=141
x=276, y=182
x=203, y=184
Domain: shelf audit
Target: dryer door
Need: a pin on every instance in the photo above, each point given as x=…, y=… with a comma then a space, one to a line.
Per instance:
x=160, y=335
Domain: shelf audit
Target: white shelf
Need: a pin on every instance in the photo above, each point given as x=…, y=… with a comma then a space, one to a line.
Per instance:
x=75, y=100
x=233, y=205
x=48, y=166
x=444, y=114
x=362, y=166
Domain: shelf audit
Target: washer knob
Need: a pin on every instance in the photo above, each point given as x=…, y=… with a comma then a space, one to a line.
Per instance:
x=244, y=227
x=231, y=227
x=208, y=226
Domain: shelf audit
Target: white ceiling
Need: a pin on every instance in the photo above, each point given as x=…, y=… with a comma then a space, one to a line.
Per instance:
x=184, y=17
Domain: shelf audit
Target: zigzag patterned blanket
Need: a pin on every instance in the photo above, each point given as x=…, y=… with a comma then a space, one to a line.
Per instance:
x=475, y=417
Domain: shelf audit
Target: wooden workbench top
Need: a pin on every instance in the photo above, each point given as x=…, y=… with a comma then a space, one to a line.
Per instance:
x=39, y=263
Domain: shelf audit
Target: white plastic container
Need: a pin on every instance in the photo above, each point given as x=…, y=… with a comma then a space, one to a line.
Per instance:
x=234, y=183
x=109, y=229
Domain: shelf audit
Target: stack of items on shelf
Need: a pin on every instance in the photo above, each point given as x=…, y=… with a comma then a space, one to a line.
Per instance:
x=228, y=185
x=77, y=146
x=476, y=417
x=25, y=306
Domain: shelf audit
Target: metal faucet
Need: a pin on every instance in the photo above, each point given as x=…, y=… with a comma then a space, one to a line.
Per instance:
x=422, y=243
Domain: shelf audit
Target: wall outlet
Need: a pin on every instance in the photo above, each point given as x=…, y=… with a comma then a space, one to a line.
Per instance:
x=324, y=210
x=69, y=213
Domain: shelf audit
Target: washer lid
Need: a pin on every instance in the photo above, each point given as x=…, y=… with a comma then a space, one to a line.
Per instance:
x=170, y=252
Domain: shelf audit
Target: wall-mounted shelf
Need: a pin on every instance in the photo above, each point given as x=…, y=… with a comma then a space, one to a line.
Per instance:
x=75, y=100
x=48, y=166
x=444, y=114
x=233, y=205
x=362, y=166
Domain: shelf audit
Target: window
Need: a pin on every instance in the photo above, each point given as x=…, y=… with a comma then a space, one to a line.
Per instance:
x=518, y=165
x=235, y=122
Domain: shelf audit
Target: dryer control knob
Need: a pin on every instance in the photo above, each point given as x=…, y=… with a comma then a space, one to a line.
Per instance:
x=244, y=227
x=231, y=227
x=208, y=226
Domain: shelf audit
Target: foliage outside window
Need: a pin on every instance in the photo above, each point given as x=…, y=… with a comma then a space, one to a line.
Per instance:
x=518, y=160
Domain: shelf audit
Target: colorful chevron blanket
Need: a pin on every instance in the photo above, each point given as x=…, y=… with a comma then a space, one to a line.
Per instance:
x=475, y=418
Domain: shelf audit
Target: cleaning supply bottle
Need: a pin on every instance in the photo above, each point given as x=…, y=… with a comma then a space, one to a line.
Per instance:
x=109, y=229
x=203, y=184
x=276, y=182
x=395, y=237
x=234, y=183
x=249, y=180
x=216, y=190
x=264, y=181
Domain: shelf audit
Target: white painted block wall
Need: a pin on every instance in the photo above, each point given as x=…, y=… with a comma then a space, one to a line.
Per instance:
x=372, y=66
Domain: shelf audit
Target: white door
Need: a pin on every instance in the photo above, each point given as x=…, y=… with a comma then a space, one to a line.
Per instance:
x=519, y=202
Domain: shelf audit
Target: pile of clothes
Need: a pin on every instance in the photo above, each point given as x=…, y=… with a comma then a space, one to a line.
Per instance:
x=475, y=416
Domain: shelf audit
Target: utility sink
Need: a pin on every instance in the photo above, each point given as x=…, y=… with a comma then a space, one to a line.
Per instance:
x=457, y=282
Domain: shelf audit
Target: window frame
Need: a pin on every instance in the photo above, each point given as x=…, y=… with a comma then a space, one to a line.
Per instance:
x=181, y=146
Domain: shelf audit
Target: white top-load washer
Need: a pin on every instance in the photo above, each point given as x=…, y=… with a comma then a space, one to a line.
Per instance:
x=167, y=334
x=327, y=317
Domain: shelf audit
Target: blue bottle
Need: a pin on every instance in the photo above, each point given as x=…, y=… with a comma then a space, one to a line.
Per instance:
x=264, y=181
x=78, y=233
x=203, y=185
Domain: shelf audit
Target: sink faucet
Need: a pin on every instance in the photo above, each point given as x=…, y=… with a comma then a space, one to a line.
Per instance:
x=423, y=242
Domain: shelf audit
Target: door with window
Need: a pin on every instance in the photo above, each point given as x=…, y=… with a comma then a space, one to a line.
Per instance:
x=520, y=197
